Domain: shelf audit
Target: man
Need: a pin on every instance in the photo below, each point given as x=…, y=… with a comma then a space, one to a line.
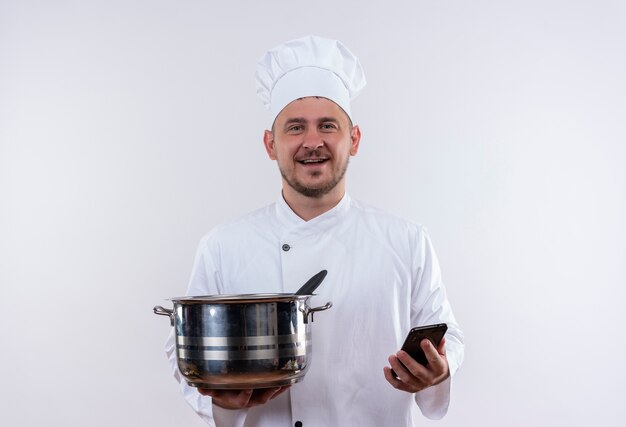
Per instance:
x=383, y=275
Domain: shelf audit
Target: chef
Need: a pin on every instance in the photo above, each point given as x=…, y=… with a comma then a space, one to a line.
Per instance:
x=383, y=274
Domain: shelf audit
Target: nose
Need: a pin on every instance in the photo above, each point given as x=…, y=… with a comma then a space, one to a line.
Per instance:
x=312, y=140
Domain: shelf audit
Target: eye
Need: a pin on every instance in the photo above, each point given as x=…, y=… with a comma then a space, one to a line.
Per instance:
x=328, y=126
x=294, y=129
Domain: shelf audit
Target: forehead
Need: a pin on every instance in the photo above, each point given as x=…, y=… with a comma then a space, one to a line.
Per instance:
x=311, y=108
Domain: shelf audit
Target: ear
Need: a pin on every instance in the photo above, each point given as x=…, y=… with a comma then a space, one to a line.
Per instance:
x=268, y=141
x=355, y=136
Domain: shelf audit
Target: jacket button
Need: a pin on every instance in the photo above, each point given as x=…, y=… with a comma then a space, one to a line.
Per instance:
x=286, y=247
x=298, y=424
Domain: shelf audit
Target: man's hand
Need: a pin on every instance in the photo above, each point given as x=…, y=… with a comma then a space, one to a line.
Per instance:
x=240, y=399
x=412, y=376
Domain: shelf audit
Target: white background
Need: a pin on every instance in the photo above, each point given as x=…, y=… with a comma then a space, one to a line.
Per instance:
x=129, y=128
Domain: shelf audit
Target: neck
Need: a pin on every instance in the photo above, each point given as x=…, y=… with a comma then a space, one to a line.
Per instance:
x=308, y=208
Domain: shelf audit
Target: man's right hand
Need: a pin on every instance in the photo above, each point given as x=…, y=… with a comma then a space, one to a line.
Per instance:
x=240, y=399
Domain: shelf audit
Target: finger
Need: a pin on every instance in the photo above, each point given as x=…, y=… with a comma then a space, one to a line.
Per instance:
x=431, y=353
x=402, y=374
x=229, y=399
x=262, y=396
x=391, y=379
x=437, y=363
x=396, y=383
x=281, y=391
x=414, y=368
x=206, y=392
x=405, y=373
x=243, y=398
x=441, y=349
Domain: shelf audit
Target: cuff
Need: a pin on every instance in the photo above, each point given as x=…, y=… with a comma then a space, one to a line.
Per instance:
x=434, y=401
x=229, y=417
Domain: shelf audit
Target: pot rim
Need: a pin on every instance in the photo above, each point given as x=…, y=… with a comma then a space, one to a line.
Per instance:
x=239, y=298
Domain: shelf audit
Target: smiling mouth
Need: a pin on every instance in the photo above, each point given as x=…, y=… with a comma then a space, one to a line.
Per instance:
x=312, y=161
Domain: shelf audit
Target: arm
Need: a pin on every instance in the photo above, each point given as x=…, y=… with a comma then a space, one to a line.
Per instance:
x=220, y=408
x=430, y=305
x=205, y=279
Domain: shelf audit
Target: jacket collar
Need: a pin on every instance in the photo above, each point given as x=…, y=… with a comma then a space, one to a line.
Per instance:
x=289, y=219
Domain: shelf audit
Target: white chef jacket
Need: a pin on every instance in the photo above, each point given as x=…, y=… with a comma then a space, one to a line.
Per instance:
x=383, y=278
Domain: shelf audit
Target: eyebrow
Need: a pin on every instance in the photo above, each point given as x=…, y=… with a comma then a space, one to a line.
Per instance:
x=328, y=119
x=294, y=120
x=301, y=120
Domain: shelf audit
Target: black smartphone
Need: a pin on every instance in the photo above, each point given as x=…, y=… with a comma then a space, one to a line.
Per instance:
x=416, y=335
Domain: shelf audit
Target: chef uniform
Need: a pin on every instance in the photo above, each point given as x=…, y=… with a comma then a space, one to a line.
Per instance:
x=383, y=278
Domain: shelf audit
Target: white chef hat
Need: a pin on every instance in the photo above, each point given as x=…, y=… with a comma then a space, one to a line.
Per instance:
x=308, y=66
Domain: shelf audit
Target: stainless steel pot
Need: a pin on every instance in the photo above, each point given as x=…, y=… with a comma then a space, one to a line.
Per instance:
x=242, y=341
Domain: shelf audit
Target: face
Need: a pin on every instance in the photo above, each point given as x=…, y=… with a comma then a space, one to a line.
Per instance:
x=312, y=141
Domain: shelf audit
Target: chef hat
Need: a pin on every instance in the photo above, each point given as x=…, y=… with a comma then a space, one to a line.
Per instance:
x=308, y=66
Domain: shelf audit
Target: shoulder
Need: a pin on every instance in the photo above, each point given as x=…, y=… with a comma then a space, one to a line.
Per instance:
x=240, y=228
x=382, y=219
x=408, y=240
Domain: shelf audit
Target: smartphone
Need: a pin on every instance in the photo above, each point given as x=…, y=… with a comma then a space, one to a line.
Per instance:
x=411, y=345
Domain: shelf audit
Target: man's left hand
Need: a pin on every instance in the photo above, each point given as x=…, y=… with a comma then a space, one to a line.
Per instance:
x=413, y=376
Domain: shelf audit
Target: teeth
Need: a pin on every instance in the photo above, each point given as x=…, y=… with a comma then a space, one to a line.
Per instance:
x=313, y=161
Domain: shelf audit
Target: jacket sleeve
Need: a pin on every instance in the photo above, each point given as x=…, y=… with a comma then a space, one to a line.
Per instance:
x=430, y=305
x=205, y=280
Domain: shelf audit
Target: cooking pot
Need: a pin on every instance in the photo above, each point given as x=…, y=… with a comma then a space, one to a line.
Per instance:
x=242, y=341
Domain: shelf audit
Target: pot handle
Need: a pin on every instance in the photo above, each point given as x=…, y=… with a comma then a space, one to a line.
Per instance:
x=311, y=311
x=162, y=311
